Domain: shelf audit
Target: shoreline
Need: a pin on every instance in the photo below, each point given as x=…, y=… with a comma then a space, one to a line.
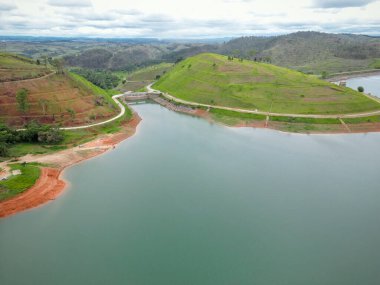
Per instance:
x=336, y=129
x=51, y=184
x=351, y=75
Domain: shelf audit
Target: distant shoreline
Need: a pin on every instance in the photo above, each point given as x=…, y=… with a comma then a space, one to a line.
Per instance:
x=353, y=74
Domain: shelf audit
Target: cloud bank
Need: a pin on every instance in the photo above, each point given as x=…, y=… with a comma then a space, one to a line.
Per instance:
x=186, y=19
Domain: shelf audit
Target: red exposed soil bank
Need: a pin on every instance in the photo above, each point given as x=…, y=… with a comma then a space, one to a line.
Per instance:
x=49, y=185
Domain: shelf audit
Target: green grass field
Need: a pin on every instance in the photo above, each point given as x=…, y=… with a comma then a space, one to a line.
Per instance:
x=376, y=63
x=15, y=67
x=215, y=80
x=137, y=80
x=19, y=183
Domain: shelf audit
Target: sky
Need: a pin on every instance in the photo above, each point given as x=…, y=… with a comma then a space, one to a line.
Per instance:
x=186, y=19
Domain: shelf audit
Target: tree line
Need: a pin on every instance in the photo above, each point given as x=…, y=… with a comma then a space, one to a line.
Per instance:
x=103, y=79
x=33, y=132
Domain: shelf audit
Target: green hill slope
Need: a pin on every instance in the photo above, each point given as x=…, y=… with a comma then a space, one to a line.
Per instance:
x=15, y=67
x=214, y=79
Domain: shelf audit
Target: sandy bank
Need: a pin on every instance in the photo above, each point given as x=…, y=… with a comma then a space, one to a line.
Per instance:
x=50, y=185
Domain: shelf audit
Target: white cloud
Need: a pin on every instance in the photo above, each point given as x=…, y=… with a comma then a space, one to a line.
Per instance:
x=341, y=3
x=70, y=3
x=7, y=7
x=183, y=18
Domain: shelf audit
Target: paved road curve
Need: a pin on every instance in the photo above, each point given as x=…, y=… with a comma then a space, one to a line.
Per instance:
x=122, y=112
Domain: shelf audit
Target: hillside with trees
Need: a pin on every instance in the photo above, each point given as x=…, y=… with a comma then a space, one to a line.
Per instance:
x=310, y=52
x=60, y=97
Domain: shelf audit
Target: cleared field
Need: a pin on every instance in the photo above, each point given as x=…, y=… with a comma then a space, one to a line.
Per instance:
x=214, y=79
x=57, y=99
x=15, y=67
x=142, y=77
x=19, y=183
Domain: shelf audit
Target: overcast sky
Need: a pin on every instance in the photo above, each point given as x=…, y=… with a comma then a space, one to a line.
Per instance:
x=186, y=19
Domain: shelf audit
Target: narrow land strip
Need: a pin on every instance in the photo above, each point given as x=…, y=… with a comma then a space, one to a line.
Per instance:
x=333, y=116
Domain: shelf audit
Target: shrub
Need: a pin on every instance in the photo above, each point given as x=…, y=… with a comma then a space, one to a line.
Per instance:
x=361, y=89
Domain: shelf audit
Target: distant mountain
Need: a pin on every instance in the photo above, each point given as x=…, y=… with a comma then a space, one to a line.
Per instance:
x=130, y=57
x=310, y=51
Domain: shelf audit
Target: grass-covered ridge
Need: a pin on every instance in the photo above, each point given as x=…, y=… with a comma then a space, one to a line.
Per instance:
x=15, y=67
x=216, y=80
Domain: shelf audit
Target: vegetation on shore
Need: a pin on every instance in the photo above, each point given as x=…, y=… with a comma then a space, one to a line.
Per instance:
x=32, y=133
x=41, y=106
x=16, y=184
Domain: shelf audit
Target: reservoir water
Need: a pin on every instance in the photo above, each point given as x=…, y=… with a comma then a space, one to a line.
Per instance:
x=371, y=84
x=185, y=201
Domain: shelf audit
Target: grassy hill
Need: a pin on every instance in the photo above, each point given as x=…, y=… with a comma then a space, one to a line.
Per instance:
x=66, y=99
x=214, y=79
x=310, y=51
x=15, y=67
x=140, y=78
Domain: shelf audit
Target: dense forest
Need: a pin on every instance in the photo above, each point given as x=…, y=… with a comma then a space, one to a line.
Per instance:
x=102, y=78
x=32, y=133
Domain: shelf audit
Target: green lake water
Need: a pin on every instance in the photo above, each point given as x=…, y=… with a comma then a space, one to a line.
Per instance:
x=189, y=202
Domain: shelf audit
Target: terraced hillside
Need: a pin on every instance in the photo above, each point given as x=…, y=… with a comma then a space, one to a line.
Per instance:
x=15, y=67
x=217, y=80
x=65, y=99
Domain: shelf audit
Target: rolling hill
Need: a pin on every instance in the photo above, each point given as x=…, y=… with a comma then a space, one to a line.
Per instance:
x=217, y=80
x=310, y=51
x=16, y=67
x=65, y=99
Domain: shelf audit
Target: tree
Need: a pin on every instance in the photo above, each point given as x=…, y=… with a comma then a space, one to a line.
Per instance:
x=3, y=149
x=58, y=64
x=324, y=74
x=361, y=89
x=38, y=62
x=45, y=60
x=252, y=53
x=50, y=136
x=178, y=60
x=43, y=104
x=22, y=100
x=71, y=112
